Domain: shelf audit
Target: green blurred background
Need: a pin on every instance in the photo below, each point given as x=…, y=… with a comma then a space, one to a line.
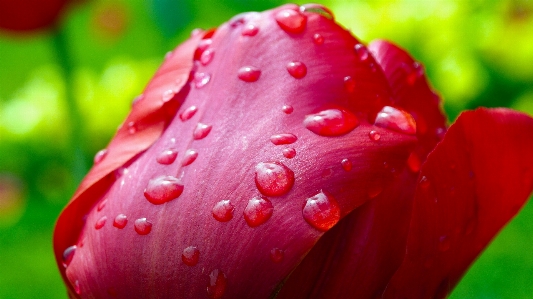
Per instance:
x=477, y=53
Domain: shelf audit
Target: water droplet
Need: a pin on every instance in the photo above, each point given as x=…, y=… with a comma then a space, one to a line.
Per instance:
x=444, y=243
x=207, y=56
x=167, y=157
x=287, y=109
x=440, y=132
x=346, y=164
x=132, y=127
x=322, y=211
x=277, y=255
x=289, y=153
x=286, y=138
x=223, y=210
x=217, y=284
x=120, y=221
x=374, y=135
x=143, y=226
x=249, y=73
x=77, y=288
x=189, y=157
x=100, y=155
x=168, y=55
x=297, y=69
x=203, y=45
x=317, y=9
x=273, y=178
x=201, y=79
x=291, y=21
x=68, y=254
x=100, y=222
x=318, y=39
x=424, y=182
x=415, y=71
x=331, y=122
x=196, y=32
x=238, y=19
x=397, y=120
x=201, y=131
x=190, y=256
x=413, y=162
x=250, y=30
x=258, y=211
x=163, y=189
x=101, y=205
x=362, y=52
x=168, y=95
x=349, y=84
x=137, y=99
x=188, y=113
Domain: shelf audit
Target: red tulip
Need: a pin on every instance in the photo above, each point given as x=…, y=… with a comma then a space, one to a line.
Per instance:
x=277, y=156
x=29, y=15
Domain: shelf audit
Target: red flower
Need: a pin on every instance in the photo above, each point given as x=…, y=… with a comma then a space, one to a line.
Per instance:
x=279, y=155
x=29, y=15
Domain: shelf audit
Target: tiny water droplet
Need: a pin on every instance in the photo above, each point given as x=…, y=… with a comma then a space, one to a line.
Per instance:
x=196, y=32
x=77, y=288
x=132, y=127
x=273, y=178
x=321, y=211
x=217, y=284
x=414, y=72
x=346, y=164
x=444, y=243
x=100, y=155
x=189, y=157
x=163, y=189
x=190, y=256
x=168, y=55
x=167, y=156
x=68, y=254
x=414, y=163
x=349, y=84
x=101, y=205
x=137, y=99
x=258, y=211
x=188, y=113
x=297, y=69
x=287, y=109
x=424, y=182
x=331, y=122
x=289, y=153
x=397, y=120
x=318, y=39
x=143, y=226
x=285, y=138
x=168, y=95
x=374, y=135
x=203, y=45
x=317, y=9
x=201, y=79
x=223, y=210
x=120, y=221
x=100, y=222
x=291, y=21
x=250, y=30
x=440, y=132
x=249, y=73
x=201, y=131
x=207, y=56
x=277, y=255
x=362, y=52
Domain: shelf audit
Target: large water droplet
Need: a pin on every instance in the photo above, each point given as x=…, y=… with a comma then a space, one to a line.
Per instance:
x=374, y=135
x=346, y=164
x=362, y=52
x=201, y=79
x=286, y=138
x=318, y=39
x=249, y=73
x=291, y=21
x=317, y=9
x=322, y=211
x=201, y=131
x=331, y=122
x=397, y=120
x=444, y=243
x=289, y=153
x=100, y=222
x=207, y=56
x=190, y=256
x=167, y=157
x=143, y=226
x=120, y=221
x=297, y=69
x=273, y=178
x=258, y=211
x=277, y=255
x=100, y=155
x=163, y=189
x=223, y=210
x=287, y=109
x=68, y=254
x=349, y=84
x=188, y=113
x=217, y=284
x=189, y=157
x=250, y=30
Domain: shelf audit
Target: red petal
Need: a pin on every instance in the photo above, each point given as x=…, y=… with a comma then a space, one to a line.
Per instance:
x=471, y=185
x=28, y=15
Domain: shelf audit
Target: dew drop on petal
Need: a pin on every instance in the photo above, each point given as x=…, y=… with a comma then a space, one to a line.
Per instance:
x=167, y=156
x=204, y=44
x=100, y=222
x=349, y=84
x=374, y=135
x=250, y=30
x=258, y=211
x=414, y=72
x=190, y=256
x=68, y=254
x=297, y=69
x=201, y=131
x=397, y=120
x=317, y=9
x=189, y=157
x=285, y=138
x=413, y=162
x=318, y=39
x=249, y=73
x=424, y=182
x=196, y=32
x=188, y=113
x=223, y=210
x=143, y=226
x=201, y=79
x=120, y=221
x=207, y=56
x=163, y=189
x=101, y=205
x=321, y=211
x=77, y=288
x=289, y=153
x=291, y=21
x=132, y=127
x=444, y=243
x=287, y=109
x=346, y=164
x=217, y=284
x=331, y=122
x=137, y=99
x=100, y=155
x=273, y=178
x=277, y=255
x=362, y=52
x=168, y=95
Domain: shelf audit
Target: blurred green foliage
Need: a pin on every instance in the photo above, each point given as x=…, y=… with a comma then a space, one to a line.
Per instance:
x=476, y=53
